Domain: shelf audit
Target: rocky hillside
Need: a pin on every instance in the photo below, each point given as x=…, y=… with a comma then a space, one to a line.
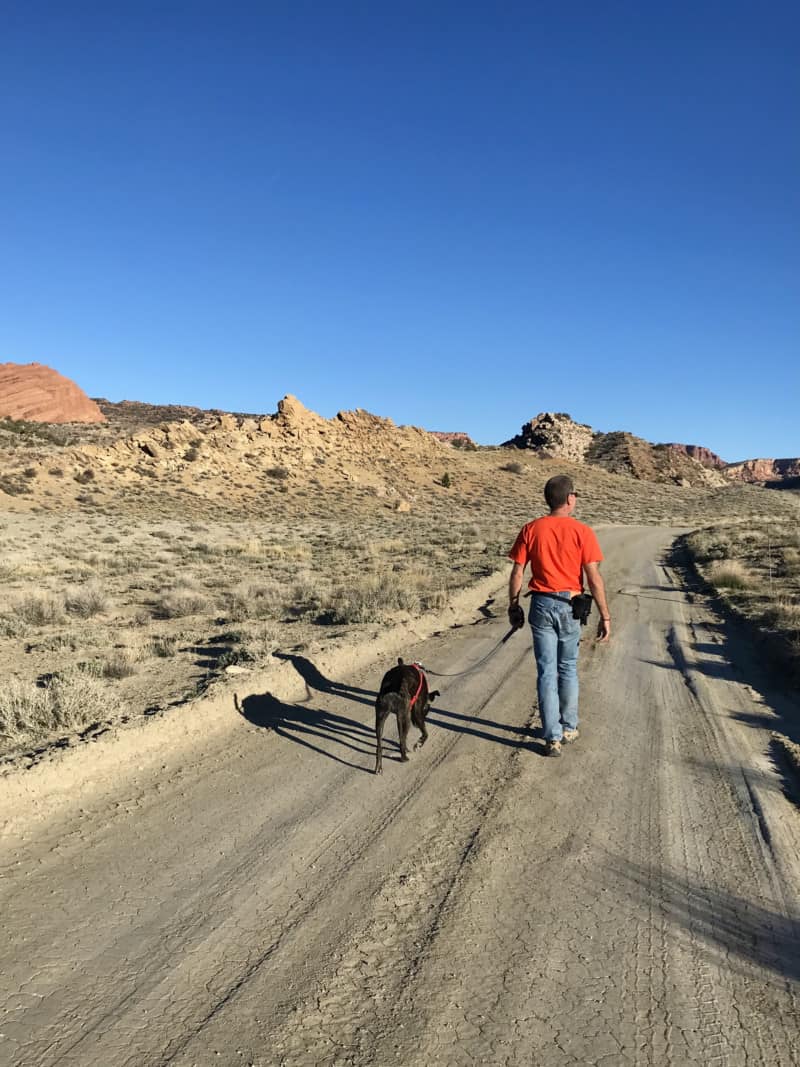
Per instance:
x=218, y=458
x=558, y=436
x=36, y=393
x=132, y=416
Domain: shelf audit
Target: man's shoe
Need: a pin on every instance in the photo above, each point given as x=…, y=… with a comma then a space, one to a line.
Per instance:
x=553, y=748
x=570, y=735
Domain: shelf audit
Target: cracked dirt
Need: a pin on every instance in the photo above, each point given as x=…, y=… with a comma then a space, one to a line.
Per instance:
x=266, y=900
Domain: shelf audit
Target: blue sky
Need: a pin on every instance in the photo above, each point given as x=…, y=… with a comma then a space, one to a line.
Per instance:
x=453, y=214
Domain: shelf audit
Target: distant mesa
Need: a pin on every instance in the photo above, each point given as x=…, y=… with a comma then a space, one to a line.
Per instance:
x=36, y=393
x=768, y=471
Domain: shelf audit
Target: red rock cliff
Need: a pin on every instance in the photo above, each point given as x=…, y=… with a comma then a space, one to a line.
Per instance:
x=703, y=455
x=37, y=393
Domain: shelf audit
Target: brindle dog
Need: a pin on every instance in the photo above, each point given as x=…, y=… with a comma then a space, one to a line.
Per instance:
x=396, y=695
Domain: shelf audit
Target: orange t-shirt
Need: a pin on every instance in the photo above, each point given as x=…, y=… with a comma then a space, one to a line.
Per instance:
x=556, y=547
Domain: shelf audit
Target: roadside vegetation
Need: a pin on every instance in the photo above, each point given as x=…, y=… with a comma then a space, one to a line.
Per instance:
x=755, y=569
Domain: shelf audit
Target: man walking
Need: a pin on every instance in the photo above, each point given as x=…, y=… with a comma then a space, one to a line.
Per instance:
x=561, y=551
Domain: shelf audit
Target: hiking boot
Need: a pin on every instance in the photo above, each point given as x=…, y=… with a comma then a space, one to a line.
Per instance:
x=552, y=748
x=570, y=735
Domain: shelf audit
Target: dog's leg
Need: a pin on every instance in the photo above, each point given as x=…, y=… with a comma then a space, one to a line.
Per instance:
x=403, y=723
x=381, y=715
x=418, y=718
x=420, y=711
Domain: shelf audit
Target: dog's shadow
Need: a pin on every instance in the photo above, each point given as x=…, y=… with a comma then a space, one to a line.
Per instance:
x=314, y=728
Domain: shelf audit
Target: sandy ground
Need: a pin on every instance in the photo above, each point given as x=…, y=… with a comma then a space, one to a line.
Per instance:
x=251, y=894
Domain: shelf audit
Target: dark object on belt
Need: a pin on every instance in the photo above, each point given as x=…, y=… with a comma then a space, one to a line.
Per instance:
x=581, y=604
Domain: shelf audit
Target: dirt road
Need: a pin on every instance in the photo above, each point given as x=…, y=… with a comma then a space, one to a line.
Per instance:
x=267, y=901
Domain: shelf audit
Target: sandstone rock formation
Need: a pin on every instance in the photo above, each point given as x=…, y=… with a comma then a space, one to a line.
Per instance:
x=37, y=393
x=457, y=439
x=554, y=435
x=557, y=436
x=703, y=455
x=763, y=470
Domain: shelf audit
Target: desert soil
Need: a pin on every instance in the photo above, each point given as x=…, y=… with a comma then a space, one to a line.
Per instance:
x=259, y=897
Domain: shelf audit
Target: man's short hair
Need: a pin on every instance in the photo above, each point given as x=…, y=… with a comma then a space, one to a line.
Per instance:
x=557, y=490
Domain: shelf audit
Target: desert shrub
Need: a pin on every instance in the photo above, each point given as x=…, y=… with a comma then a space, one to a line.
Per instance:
x=40, y=608
x=372, y=598
x=279, y=473
x=729, y=574
x=179, y=601
x=513, y=468
x=56, y=472
x=12, y=486
x=69, y=701
x=252, y=601
x=120, y=664
x=783, y=614
x=262, y=642
x=163, y=645
x=710, y=545
x=86, y=600
x=11, y=626
x=85, y=476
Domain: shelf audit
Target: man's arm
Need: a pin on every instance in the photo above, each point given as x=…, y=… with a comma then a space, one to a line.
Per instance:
x=515, y=583
x=516, y=616
x=598, y=590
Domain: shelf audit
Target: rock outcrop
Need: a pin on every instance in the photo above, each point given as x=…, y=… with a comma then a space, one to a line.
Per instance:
x=554, y=436
x=457, y=439
x=704, y=456
x=36, y=393
x=557, y=436
x=763, y=470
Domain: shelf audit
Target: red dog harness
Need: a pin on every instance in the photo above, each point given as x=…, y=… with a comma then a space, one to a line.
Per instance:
x=418, y=668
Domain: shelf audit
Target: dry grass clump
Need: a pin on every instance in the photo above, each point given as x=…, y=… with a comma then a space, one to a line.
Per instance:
x=86, y=601
x=729, y=574
x=40, y=608
x=163, y=646
x=120, y=664
x=376, y=596
x=179, y=601
x=710, y=544
x=252, y=600
x=70, y=701
x=261, y=642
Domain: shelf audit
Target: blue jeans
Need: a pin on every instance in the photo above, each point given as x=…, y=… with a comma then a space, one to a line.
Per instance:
x=556, y=636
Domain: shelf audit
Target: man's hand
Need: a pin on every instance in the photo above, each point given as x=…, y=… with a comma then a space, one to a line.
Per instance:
x=603, y=631
x=516, y=616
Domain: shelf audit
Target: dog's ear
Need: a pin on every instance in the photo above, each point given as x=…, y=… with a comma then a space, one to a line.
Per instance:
x=399, y=661
x=432, y=696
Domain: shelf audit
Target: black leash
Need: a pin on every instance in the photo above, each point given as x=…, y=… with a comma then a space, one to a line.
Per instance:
x=480, y=663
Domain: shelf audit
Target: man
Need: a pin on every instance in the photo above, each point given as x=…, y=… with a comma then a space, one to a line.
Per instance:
x=561, y=552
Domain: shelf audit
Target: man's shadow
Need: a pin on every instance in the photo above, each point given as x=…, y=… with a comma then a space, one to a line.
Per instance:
x=315, y=679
